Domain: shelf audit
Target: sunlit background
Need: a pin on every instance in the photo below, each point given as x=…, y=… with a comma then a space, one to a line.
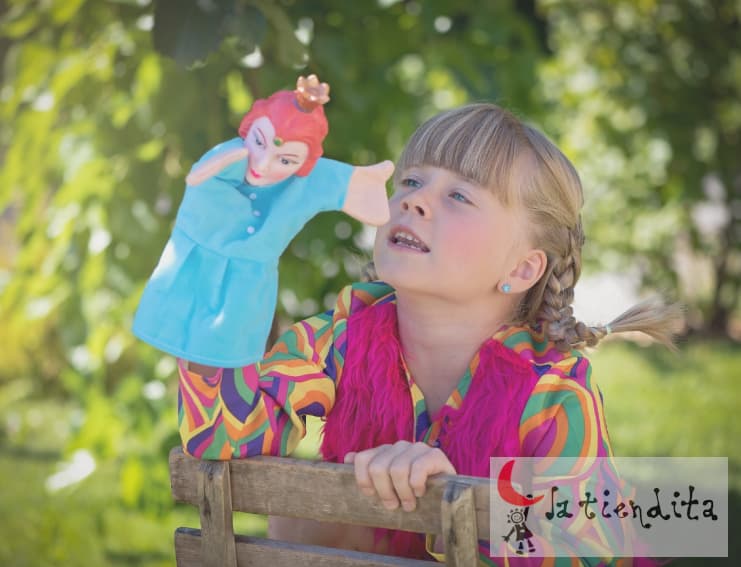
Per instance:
x=105, y=104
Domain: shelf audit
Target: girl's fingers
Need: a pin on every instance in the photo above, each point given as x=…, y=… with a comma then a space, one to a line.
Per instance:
x=399, y=472
x=362, y=475
x=427, y=464
x=379, y=472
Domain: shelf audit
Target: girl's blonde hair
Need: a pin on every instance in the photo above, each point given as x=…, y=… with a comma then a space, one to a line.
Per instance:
x=491, y=147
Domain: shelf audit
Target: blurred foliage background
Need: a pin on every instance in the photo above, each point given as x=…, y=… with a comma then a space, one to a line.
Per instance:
x=104, y=104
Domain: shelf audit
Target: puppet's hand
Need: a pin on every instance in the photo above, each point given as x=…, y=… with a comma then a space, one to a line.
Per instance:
x=366, y=196
x=213, y=165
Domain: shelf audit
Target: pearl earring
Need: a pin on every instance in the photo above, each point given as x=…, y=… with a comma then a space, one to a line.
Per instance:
x=506, y=288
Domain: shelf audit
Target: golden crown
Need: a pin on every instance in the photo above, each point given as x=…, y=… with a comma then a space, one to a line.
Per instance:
x=310, y=93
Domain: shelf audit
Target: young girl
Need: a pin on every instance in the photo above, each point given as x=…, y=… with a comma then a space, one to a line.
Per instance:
x=467, y=347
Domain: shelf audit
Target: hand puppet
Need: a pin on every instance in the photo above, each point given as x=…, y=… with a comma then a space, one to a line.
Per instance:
x=212, y=296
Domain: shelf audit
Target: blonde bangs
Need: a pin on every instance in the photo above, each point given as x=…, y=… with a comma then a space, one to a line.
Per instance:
x=480, y=142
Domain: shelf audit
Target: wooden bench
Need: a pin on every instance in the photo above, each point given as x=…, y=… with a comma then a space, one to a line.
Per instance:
x=457, y=507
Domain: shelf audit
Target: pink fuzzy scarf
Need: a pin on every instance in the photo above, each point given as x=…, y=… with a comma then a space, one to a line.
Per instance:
x=374, y=405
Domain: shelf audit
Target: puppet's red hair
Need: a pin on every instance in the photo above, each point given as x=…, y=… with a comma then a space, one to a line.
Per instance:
x=291, y=123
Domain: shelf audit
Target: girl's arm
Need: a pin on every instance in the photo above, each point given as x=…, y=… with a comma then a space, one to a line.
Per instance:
x=201, y=369
x=563, y=419
x=230, y=413
x=564, y=422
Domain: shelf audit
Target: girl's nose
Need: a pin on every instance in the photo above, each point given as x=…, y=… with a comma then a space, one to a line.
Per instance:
x=416, y=204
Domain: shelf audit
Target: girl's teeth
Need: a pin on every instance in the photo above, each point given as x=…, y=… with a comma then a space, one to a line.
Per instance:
x=406, y=239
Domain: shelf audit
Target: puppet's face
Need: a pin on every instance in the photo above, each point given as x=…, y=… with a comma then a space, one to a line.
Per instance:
x=271, y=159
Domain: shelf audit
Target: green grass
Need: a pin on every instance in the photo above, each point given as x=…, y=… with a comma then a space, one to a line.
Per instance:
x=685, y=404
x=657, y=404
x=85, y=525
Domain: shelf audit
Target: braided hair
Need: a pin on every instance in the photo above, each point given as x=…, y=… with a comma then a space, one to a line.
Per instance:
x=523, y=168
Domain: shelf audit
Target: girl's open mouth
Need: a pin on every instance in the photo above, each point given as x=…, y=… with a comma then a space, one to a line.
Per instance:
x=407, y=239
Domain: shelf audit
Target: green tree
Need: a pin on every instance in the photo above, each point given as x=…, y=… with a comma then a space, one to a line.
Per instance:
x=647, y=97
x=98, y=129
x=104, y=104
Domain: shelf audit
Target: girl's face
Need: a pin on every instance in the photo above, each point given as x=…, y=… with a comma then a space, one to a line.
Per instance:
x=447, y=236
x=270, y=159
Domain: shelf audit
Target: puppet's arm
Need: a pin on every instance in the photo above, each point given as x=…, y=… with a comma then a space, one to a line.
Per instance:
x=213, y=165
x=366, y=198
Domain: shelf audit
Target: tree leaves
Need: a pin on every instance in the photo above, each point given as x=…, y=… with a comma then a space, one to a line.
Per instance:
x=641, y=92
x=105, y=105
x=190, y=31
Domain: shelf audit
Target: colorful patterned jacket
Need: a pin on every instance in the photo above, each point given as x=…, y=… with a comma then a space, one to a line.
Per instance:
x=519, y=397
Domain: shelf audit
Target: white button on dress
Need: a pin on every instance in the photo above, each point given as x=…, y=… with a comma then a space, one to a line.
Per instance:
x=250, y=229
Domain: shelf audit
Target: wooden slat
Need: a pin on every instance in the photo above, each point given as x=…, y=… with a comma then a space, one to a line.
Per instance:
x=188, y=547
x=258, y=552
x=323, y=491
x=217, y=542
x=459, y=525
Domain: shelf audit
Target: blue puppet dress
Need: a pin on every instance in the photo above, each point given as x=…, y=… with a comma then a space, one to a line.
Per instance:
x=212, y=296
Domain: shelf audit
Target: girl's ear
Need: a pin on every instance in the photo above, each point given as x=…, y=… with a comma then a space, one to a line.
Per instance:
x=528, y=271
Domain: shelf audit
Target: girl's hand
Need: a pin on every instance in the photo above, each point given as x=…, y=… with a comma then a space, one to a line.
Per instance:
x=214, y=165
x=366, y=198
x=398, y=472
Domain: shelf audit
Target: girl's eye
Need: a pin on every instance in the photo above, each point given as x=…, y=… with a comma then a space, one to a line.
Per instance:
x=258, y=141
x=411, y=182
x=458, y=196
x=284, y=161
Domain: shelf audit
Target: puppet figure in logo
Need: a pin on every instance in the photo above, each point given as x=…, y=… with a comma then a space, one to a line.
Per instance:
x=520, y=530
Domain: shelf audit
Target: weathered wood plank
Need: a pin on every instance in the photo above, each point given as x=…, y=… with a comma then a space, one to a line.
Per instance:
x=258, y=552
x=188, y=547
x=322, y=491
x=215, y=504
x=459, y=525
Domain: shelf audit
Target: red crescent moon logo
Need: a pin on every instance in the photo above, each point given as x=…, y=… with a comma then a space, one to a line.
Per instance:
x=508, y=492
